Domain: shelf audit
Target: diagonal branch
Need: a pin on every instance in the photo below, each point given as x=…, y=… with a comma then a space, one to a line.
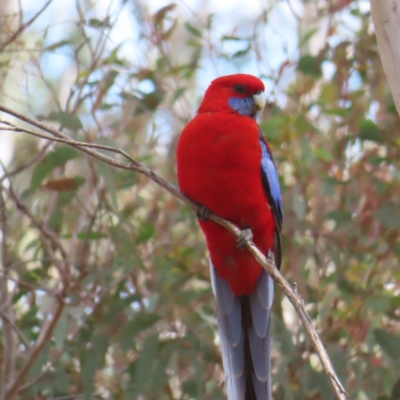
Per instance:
x=23, y=27
x=266, y=263
x=7, y=314
x=44, y=337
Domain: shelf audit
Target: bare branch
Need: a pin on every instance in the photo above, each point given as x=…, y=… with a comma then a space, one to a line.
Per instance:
x=23, y=27
x=37, y=157
x=266, y=263
x=9, y=342
x=46, y=232
x=45, y=336
x=13, y=128
x=16, y=330
x=46, y=370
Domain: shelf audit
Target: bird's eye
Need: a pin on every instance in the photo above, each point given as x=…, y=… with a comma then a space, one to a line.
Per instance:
x=240, y=88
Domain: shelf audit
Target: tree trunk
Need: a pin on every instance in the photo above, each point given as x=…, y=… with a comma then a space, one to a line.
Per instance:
x=386, y=19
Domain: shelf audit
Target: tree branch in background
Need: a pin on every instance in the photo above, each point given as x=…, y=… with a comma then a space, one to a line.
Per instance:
x=9, y=342
x=11, y=379
x=133, y=165
x=45, y=335
x=23, y=27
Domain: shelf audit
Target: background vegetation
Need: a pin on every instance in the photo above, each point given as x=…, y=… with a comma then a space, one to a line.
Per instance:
x=105, y=290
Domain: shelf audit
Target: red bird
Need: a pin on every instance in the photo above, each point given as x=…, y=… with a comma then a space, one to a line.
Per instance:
x=225, y=165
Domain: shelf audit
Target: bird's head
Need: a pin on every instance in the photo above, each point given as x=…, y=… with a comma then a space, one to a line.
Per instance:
x=239, y=93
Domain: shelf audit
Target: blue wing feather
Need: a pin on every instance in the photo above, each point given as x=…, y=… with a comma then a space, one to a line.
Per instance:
x=271, y=181
x=271, y=185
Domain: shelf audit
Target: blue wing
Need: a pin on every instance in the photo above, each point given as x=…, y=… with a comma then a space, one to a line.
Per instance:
x=271, y=185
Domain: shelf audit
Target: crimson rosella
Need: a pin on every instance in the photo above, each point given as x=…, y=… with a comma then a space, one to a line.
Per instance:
x=226, y=166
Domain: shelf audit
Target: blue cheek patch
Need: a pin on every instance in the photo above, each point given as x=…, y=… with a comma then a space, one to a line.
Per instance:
x=244, y=106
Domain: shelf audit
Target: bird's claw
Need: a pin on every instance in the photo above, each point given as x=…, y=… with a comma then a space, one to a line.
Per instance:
x=203, y=213
x=245, y=237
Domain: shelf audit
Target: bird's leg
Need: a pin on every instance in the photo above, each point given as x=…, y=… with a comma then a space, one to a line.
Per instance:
x=246, y=236
x=203, y=213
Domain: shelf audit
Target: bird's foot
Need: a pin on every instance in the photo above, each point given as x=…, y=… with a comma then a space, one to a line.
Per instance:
x=245, y=237
x=203, y=213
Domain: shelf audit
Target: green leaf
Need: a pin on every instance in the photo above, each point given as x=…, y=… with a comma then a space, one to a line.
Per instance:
x=97, y=23
x=318, y=381
x=56, y=219
x=339, y=358
x=307, y=36
x=57, y=45
x=323, y=154
x=91, y=235
x=92, y=359
x=299, y=206
x=125, y=248
x=284, y=338
x=389, y=215
x=141, y=321
x=146, y=232
x=109, y=179
x=309, y=65
x=149, y=102
x=369, y=131
x=395, y=394
x=109, y=79
x=379, y=304
x=191, y=388
x=340, y=112
x=145, y=362
x=33, y=275
x=243, y=52
x=40, y=361
x=161, y=14
x=61, y=331
x=66, y=120
x=192, y=30
x=178, y=93
x=126, y=179
x=272, y=127
x=234, y=38
x=57, y=158
x=339, y=216
x=389, y=344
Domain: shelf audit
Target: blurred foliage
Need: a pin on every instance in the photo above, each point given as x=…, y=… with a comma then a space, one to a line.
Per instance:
x=125, y=265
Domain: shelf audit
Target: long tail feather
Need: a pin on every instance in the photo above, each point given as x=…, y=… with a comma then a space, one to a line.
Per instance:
x=244, y=329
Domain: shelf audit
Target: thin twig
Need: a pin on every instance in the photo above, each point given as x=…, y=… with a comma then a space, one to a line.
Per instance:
x=266, y=263
x=48, y=367
x=46, y=232
x=8, y=364
x=16, y=330
x=32, y=287
x=23, y=27
x=11, y=127
x=37, y=157
x=44, y=337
